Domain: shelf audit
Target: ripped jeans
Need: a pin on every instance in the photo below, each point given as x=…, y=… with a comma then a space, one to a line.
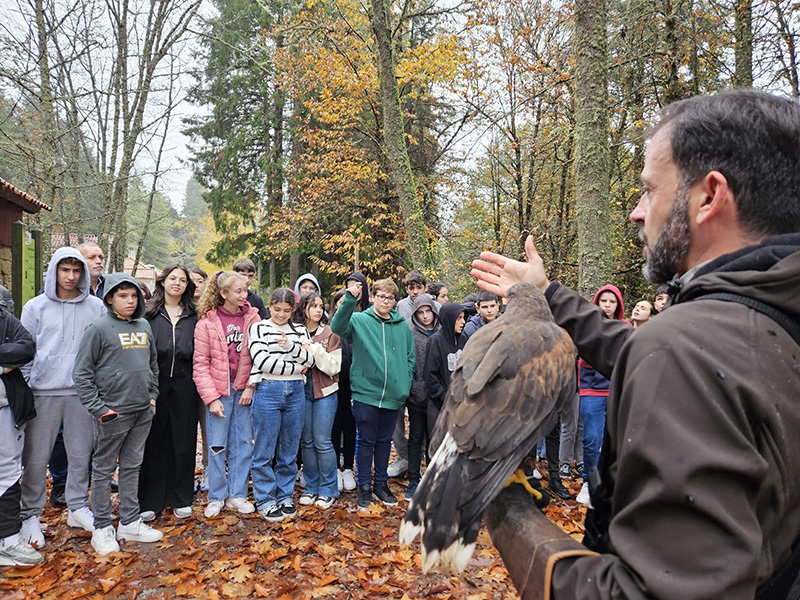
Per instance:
x=229, y=439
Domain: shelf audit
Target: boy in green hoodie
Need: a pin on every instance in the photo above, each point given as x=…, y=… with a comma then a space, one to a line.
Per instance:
x=380, y=380
x=116, y=376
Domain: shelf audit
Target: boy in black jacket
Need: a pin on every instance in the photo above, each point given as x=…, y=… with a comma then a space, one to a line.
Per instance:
x=444, y=350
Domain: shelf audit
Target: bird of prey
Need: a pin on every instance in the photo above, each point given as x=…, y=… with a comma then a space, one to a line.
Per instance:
x=505, y=394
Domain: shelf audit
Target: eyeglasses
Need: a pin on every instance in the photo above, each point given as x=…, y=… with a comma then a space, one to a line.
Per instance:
x=384, y=298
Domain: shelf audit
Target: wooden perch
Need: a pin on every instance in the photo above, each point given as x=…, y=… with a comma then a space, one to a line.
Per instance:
x=528, y=542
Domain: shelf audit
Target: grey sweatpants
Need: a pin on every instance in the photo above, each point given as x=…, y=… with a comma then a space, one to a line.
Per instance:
x=571, y=434
x=40, y=436
x=123, y=439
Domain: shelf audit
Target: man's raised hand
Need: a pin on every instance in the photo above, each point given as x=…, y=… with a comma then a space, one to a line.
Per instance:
x=496, y=273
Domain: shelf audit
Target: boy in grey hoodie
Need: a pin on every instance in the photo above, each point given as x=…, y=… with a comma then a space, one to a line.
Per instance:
x=116, y=375
x=56, y=320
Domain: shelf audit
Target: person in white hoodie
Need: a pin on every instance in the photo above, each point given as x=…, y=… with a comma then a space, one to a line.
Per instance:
x=56, y=320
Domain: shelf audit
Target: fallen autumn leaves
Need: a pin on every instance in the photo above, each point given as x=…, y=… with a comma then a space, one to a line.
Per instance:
x=335, y=554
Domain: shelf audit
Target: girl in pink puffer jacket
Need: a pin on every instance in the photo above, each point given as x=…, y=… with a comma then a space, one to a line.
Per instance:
x=221, y=370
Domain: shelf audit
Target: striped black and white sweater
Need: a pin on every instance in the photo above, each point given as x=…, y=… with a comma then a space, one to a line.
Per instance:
x=274, y=362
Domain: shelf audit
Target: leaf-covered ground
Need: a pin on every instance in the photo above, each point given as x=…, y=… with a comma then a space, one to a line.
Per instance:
x=334, y=554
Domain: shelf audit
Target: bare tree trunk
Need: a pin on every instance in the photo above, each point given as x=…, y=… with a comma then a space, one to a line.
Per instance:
x=46, y=112
x=273, y=276
x=294, y=268
x=156, y=176
x=592, y=170
x=394, y=137
x=785, y=32
x=743, y=46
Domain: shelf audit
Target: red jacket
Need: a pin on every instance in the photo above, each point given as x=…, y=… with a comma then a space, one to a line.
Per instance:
x=211, y=373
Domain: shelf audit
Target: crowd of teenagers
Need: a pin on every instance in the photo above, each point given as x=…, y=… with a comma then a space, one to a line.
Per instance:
x=303, y=392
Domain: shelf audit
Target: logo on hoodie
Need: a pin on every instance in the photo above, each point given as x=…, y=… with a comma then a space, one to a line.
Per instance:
x=130, y=341
x=452, y=360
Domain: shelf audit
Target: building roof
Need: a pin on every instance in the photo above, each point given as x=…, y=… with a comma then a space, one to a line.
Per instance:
x=22, y=199
x=142, y=271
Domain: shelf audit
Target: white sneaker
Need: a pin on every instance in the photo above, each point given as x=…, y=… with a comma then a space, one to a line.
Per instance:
x=138, y=531
x=324, y=502
x=300, y=481
x=20, y=554
x=241, y=505
x=184, y=512
x=204, y=481
x=348, y=480
x=213, y=509
x=307, y=499
x=583, y=495
x=148, y=515
x=31, y=532
x=397, y=468
x=103, y=540
x=339, y=480
x=82, y=518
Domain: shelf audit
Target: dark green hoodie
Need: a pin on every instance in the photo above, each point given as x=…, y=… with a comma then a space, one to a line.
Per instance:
x=117, y=363
x=383, y=354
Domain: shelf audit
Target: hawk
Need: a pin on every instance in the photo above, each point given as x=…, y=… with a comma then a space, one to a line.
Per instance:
x=511, y=381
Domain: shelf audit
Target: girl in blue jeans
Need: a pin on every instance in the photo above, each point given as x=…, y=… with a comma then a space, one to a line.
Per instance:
x=221, y=368
x=319, y=458
x=593, y=388
x=279, y=350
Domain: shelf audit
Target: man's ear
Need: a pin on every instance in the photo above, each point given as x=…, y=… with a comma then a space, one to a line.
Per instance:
x=716, y=198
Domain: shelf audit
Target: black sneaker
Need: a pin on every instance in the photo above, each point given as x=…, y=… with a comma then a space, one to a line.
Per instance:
x=412, y=487
x=288, y=509
x=271, y=513
x=382, y=493
x=556, y=487
x=58, y=497
x=364, y=496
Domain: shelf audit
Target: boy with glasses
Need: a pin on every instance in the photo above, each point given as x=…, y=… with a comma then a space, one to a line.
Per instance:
x=380, y=380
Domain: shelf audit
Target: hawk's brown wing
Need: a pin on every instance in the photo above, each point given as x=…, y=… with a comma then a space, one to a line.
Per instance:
x=510, y=379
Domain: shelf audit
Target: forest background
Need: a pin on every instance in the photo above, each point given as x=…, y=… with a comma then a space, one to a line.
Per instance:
x=333, y=135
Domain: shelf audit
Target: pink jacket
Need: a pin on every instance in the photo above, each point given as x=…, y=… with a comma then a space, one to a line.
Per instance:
x=211, y=372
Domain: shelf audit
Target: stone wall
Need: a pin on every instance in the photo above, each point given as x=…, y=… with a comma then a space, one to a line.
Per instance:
x=5, y=266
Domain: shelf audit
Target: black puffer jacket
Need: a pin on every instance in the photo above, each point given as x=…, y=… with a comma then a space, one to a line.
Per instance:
x=17, y=348
x=175, y=345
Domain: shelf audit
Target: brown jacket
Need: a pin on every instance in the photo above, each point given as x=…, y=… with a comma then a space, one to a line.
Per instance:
x=327, y=350
x=703, y=435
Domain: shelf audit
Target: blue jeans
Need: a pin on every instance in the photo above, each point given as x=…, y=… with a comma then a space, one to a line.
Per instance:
x=319, y=459
x=229, y=437
x=375, y=427
x=593, y=412
x=277, y=415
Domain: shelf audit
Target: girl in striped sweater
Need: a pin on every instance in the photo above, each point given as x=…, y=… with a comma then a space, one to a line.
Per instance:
x=280, y=353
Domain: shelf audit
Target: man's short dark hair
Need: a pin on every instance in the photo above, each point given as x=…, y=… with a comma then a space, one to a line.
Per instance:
x=751, y=138
x=244, y=265
x=486, y=297
x=416, y=277
x=662, y=289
